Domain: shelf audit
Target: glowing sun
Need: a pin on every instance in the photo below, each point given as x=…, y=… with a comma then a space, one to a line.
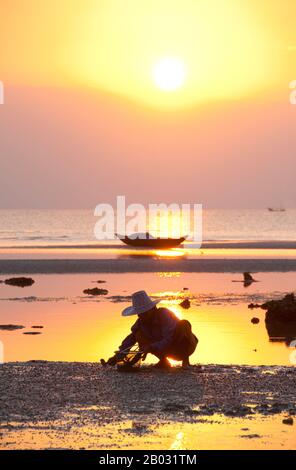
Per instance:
x=169, y=74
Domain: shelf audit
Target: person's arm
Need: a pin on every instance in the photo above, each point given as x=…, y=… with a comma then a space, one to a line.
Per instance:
x=130, y=340
x=168, y=325
x=127, y=343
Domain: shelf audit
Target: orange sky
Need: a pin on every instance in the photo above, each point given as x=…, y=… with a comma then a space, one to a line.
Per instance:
x=83, y=116
x=228, y=46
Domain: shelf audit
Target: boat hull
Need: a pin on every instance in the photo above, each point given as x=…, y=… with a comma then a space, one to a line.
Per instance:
x=153, y=243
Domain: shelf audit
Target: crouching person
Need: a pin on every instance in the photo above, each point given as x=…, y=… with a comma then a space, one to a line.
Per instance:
x=158, y=331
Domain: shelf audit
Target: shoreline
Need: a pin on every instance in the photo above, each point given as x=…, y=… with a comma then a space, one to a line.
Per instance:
x=64, y=266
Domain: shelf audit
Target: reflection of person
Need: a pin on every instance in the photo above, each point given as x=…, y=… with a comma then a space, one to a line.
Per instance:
x=158, y=331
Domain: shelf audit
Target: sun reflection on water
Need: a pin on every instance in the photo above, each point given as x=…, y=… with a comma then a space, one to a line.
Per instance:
x=178, y=443
x=172, y=253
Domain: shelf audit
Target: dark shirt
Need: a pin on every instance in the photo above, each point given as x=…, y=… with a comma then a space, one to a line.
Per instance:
x=159, y=331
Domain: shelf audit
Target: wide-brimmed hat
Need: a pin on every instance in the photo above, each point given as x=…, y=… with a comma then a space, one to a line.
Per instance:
x=141, y=303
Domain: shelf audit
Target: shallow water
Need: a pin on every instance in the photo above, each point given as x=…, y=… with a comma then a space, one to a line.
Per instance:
x=81, y=328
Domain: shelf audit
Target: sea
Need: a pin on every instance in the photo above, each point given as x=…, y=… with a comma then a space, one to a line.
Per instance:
x=73, y=228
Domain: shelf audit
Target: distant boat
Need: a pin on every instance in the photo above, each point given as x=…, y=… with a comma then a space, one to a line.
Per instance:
x=276, y=209
x=145, y=240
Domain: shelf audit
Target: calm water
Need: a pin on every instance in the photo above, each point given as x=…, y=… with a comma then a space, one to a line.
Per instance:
x=81, y=328
x=72, y=227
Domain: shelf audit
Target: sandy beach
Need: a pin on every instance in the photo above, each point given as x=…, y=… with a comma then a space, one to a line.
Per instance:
x=46, y=405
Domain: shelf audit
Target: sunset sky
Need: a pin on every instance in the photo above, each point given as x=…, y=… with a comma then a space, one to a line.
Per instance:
x=159, y=100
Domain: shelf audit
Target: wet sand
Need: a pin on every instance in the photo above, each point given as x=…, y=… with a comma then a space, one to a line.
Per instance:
x=145, y=264
x=82, y=405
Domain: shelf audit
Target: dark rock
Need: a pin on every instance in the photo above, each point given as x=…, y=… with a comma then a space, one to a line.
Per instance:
x=191, y=412
x=264, y=406
x=185, y=304
x=174, y=407
x=277, y=408
x=267, y=409
x=137, y=428
x=32, y=333
x=95, y=291
x=237, y=411
x=280, y=318
x=283, y=309
x=251, y=305
x=20, y=281
x=140, y=427
x=288, y=421
x=100, y=281
x=209, y=410
x=255, y=320
x=37, y=326
x=279, y=331
x=11, y=327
